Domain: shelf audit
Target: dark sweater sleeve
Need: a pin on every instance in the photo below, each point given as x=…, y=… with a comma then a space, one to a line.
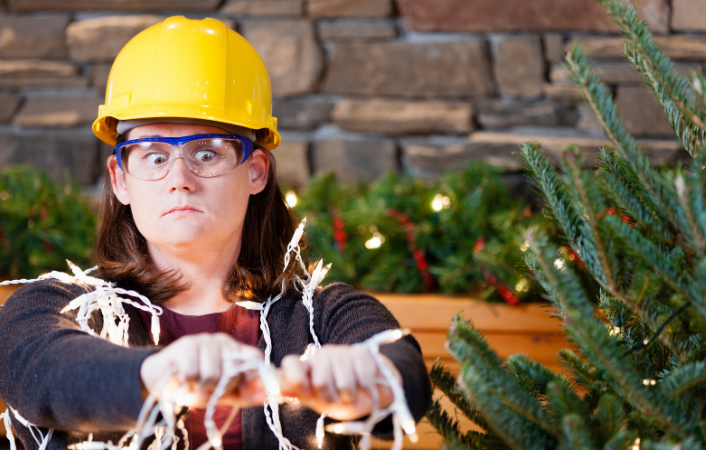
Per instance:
x=56, y=375
x=347, y=316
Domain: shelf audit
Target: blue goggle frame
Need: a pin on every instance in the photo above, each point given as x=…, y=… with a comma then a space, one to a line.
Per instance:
x=248, y=146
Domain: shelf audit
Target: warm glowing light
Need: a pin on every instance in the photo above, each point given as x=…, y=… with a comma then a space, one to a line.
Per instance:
x=397, y=334
x=636, y=445
x=375, y=241
x=436, y=205
x=216, y=442
x=615, y=330
x=649, y=382
x=559, y=264
x=524, y=246
x=522, y=286
x=291, y=199
x=440, y=202
x=339, y=428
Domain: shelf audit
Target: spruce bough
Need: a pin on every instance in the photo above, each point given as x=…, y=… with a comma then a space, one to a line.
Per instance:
x=636, y=377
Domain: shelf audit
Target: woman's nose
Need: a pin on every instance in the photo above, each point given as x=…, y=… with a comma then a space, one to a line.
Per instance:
x=180, y=176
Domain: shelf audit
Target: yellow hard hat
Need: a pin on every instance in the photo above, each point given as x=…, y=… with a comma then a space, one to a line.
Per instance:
x=189, y=69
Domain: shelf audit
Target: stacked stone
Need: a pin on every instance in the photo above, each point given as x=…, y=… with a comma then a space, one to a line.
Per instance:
x=361, y=86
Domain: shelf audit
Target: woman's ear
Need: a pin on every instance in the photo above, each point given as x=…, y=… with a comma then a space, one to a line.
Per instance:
x=117, y=180
x=259, y=171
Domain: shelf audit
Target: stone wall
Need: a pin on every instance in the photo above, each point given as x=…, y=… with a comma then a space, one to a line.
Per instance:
x=361, y=86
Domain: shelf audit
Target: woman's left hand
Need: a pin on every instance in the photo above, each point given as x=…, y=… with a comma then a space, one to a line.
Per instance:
x=337, y=380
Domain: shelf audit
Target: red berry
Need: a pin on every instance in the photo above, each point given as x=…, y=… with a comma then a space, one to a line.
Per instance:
x=480, y=245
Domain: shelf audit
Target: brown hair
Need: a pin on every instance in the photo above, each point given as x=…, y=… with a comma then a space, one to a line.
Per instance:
x=122, y=257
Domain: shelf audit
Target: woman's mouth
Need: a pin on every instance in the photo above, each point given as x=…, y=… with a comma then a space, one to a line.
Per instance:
x=179, y=210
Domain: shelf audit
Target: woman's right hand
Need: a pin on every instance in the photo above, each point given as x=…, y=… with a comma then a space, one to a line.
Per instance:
x=199, y=364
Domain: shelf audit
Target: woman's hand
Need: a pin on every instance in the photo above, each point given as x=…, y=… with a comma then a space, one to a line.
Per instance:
x=198, y=361
x=337, y=380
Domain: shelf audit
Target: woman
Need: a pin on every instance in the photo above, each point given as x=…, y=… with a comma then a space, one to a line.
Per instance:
x=193, y=218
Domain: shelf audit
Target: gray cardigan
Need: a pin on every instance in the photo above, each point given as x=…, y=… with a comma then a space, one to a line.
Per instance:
x=57, y=376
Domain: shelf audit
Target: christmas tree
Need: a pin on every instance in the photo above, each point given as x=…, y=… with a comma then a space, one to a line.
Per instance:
x=636, y=377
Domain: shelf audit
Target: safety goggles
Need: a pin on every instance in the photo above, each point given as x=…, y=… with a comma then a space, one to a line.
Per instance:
x=206, y=155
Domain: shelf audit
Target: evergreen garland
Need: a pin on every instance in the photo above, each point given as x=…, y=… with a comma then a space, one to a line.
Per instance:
x=637, y=376
x=42, y=224
x=456, y=236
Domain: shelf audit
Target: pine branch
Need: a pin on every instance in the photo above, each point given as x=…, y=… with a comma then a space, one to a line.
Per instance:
x=544, y=176
x=443, y=380
x=512, y=414
x=564, y=212
x=567, y=289
x=575, y=434
x=663, y=264
x=550, y=295
x=610, y=417
x=534, y=377
x=685, y=378
x=563, y=401
x=601, y=350
x=673, y=92
x=607, y=271
x=693, y=235
x=658, y=196
x=449, y=430
x=618, y=188
x=584, y=374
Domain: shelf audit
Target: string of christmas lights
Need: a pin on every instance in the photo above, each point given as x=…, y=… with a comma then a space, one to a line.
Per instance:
x=160, y=413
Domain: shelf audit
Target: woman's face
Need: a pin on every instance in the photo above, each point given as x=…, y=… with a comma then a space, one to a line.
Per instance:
x=183, y=211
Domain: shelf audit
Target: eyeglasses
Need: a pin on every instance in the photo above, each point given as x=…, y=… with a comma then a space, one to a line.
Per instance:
x=206, y=155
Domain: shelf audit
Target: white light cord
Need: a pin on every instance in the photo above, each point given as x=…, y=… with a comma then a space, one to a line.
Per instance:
x=165, y=404
x=8, y=428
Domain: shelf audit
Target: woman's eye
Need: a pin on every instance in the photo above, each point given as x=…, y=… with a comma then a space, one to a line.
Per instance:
x=156, y=159
x=205, y=156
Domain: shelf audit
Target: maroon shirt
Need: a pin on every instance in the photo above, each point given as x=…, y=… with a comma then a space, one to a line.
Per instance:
x=243, y=325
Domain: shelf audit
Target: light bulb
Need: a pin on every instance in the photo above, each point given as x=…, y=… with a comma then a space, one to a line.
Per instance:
x=375, y=241
x=436, y=205
x=291, y=199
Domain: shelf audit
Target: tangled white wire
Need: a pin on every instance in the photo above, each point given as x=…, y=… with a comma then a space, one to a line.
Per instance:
x=165, y=404
x=105, y=298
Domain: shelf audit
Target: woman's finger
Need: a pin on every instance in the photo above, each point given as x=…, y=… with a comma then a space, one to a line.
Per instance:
x=365, y=369
x=210, y=363
x=344, y=374
x=295, y=374
x=322, y=378
x=186, y=358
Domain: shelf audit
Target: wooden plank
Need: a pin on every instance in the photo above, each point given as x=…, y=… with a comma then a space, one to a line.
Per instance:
x=434, y=312
x=541, y=347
